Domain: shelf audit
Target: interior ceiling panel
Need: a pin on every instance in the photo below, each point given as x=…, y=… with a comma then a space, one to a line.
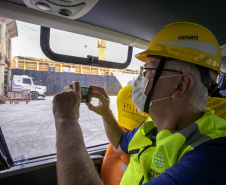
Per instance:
x=144, y=18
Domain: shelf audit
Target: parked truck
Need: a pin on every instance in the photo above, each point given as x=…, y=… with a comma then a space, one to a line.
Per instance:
x=24, y=83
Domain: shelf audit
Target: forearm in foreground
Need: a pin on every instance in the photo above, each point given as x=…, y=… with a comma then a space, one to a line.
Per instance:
x=74, y=165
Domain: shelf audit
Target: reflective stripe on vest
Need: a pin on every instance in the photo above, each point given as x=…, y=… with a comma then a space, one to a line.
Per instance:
x=149, y=158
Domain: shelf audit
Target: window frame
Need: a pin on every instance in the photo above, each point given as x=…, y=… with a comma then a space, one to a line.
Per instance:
x=90, y=60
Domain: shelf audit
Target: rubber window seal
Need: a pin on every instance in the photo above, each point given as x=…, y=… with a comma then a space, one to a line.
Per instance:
x=90, y=60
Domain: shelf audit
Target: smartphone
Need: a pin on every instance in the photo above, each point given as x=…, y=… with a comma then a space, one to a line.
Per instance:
x=84, y=94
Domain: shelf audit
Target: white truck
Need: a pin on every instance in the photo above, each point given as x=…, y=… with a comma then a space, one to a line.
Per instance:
x=24, y=83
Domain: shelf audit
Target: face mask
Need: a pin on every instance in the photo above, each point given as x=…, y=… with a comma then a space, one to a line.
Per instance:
x=138, y=96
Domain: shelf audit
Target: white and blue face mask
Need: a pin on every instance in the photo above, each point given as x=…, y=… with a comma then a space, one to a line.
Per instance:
x=138, y=92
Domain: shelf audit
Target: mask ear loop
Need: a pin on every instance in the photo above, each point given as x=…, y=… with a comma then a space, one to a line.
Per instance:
x=156, y=77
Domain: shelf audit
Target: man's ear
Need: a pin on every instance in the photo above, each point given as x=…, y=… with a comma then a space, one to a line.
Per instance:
x=183, y=85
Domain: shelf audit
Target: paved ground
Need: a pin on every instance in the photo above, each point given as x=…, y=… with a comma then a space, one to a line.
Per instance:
x=29, y=129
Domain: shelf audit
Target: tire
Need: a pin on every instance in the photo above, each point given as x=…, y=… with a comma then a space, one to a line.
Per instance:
x=34, y=95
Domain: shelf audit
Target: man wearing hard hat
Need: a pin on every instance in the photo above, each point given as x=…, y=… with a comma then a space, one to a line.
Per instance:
x=184, y=142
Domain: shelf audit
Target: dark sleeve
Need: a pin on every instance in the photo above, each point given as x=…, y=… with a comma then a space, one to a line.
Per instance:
x=126, y=138
x=205, y=165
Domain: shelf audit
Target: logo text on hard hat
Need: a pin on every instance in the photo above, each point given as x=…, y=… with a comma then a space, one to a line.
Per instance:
x=188, y=37
x=131, y=112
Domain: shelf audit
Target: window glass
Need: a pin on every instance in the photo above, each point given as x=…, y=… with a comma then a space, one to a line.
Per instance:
x=26, y=81
x=72, y=44
x=29, y=129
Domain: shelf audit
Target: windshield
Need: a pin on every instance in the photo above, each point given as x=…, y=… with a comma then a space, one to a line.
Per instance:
x=27, y=120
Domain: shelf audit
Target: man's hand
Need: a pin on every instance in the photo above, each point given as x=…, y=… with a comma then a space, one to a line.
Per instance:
x=113, y=130
x=66, y=104
x=102, y=108
x=73, y=162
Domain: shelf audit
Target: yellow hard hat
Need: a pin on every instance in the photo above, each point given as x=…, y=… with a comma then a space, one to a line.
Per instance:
x=128, y=115
x=218, y=105
x=186, y=41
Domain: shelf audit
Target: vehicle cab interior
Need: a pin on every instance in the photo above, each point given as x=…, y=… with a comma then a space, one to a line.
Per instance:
x=54, y=42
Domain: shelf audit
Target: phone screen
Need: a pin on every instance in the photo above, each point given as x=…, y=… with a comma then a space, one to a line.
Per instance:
x=84, y=92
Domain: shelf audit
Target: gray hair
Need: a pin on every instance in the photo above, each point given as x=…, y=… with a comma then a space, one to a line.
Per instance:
x=199, y=93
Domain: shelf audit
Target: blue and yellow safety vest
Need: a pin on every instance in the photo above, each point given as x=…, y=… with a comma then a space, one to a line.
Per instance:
x=150, y=155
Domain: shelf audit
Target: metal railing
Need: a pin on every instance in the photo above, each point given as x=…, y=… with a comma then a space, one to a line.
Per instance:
x=18, y=97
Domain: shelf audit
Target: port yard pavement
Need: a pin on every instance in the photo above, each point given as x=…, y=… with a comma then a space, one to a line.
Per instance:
x=29, y=129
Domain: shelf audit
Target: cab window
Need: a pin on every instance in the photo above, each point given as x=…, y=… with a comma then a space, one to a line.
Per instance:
x=26, y=81
x=29, y=129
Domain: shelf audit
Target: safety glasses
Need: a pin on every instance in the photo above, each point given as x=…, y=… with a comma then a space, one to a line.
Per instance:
x=143, y=70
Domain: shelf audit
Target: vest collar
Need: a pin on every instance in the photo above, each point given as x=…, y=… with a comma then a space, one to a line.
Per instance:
x=190, y=132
